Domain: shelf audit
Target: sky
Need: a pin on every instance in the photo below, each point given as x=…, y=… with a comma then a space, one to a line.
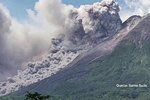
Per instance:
x=18, y=8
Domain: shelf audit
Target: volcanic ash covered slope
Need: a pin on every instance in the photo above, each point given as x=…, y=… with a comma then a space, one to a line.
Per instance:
x=125, y=61
x=88, y=26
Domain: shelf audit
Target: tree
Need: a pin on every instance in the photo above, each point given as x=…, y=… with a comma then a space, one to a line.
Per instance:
x=36, y=96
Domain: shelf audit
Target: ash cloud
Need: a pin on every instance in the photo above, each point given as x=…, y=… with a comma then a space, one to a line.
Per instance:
x=4, y=32
x=20, y=42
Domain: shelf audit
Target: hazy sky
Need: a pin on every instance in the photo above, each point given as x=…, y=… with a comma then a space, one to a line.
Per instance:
x=18, y=8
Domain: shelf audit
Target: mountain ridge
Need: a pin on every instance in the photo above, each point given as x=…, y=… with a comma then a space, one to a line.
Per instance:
x=119, y=57
x=57, y=80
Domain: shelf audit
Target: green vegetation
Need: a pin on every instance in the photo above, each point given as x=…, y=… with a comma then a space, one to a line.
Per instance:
x=128, y=64
x=30, y=96
x=36, y=96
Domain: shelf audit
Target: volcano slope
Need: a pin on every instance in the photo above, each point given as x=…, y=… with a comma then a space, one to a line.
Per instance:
x=124, y=59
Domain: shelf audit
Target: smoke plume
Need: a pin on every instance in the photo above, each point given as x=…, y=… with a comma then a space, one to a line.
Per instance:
x=19, y=42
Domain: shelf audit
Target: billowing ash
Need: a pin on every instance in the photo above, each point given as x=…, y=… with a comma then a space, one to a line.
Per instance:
x=4, y=32
x=84, y=27
x=91, y=24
